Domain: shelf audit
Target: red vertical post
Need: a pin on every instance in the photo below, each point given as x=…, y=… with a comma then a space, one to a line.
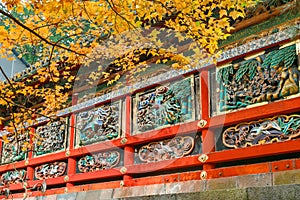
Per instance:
x=30, y=173
x=72, y=124
x=204, y=94
x=30, y=170
x=128, y=150
x=208, y=138
x=31, y=136
x=72, y=161
x=1, y=142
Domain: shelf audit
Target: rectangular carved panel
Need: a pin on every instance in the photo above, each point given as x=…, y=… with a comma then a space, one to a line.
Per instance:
x=50, y=138
x=99, y=124
x=167, y=104
x=268, y=77
x=277, y=129
x=14, y=147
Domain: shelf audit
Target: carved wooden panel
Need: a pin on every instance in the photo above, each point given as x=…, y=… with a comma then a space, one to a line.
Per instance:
x=50, y=138
x=165, y=105
x=14, y=147
x=277, y=129
x=267, y=77
x=99, y=161
x=50, y=170
x=99, y=124
x=167, y=149
x=13, y=177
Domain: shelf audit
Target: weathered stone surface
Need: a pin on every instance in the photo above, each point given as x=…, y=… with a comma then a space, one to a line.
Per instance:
x=157, y=189
x=172, y=188
x=155, y=197
x=95, y=195
x=221, y=183
x=286, y=177
x=257, y=180
x=200, y=185
x=70, y=196
x=50, y=197
x=106, y=194
x=228, y=194
x=121, y=192
x=282, y=192
x=81, y=195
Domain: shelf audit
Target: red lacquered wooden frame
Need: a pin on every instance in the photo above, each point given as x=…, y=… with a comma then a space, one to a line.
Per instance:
x=132, y=174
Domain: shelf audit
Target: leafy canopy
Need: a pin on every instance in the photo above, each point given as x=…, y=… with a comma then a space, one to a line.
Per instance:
x=58, y=36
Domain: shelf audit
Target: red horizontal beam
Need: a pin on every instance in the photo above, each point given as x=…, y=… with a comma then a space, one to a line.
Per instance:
x=239, y=170
x=172, y=131
x=286, y=106
x=101, y=174
x=102, y=146
x=258, y=151
x=185, y=162
x=12, y=166
x=30, y=184
x=96, y=186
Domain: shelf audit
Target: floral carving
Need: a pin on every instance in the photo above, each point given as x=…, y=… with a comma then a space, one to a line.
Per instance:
x=99, y=161
x=50, y=170
x=168, y=104
x=99, y=124
x=50, y=138
x=15, y=147
x=268, y=77
x=166, y=149
x=276, y=129
x=12, y=177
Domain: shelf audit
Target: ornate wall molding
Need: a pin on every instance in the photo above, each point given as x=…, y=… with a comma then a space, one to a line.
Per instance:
x=164, y=105
x=99, y=124
x=277, y=129
x=13, y=177
x=99, y=161
x=50, y=138
x=50, y=170
x=267, y=77
x=167, y=149
x=14, y=148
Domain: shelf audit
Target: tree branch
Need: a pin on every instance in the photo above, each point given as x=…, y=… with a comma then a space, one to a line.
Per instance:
x=36, y=34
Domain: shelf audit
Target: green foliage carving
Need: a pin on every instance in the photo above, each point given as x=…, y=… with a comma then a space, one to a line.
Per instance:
x=247, y=67
x=267, y=77
x=285, y=56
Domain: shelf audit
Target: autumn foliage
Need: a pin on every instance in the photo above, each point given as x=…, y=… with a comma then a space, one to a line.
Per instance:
x=57, y=36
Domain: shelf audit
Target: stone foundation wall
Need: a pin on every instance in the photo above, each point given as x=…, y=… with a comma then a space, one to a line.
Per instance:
x=275, y=185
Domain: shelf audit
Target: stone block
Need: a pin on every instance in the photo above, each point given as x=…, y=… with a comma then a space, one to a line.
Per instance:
x=121, y=192
x=297, y=191
x=155, y=197
x=232, y=194
x=70, y=196
x=95, y=194
x=200, y=185
x=172, y=188
x=221, y=183
x=138, y=191
x=106, y=194
x=257, y=180
x=157, y=189
x=281, y=192
x=187, y=187
x=81, y=195
x=286, y=177
x=50, y=197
